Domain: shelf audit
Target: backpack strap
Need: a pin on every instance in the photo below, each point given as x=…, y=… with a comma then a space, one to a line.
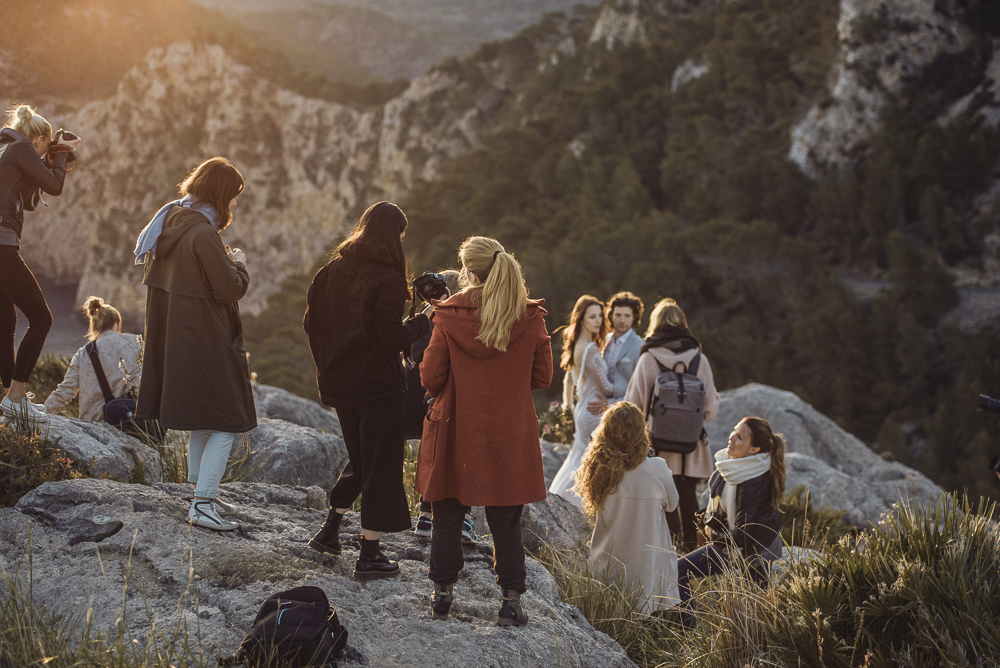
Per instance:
x=649, y=404
x=99, y=370
x=693, y=367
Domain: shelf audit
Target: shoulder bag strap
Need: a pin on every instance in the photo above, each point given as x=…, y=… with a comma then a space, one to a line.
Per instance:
x=99, y=370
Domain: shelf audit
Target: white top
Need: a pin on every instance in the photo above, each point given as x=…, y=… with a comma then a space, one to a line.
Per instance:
x=631, y=541
x=114, y=350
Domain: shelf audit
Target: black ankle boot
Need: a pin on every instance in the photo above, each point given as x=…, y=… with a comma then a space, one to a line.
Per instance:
x=372, y=563
x=441, y=601
x=328, y=538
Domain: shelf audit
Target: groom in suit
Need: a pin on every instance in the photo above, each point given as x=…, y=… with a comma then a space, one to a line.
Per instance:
x=621, y=351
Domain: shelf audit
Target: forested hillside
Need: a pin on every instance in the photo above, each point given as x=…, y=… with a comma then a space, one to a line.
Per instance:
x=652, y=150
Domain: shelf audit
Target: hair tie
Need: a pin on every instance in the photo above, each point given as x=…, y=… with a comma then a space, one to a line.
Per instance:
x=495, y=255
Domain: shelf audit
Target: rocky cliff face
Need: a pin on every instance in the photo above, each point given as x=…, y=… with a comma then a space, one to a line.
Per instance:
x=311, y=166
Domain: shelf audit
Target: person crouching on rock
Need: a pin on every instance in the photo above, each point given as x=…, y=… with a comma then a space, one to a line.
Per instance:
x=120, y=361
x=356, y=335
x=627, y=492
x=195, y=373
x=489, y=350
x=742, y=521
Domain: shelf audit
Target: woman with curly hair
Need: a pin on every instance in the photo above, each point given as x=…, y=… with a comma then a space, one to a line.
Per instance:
x=627, y=492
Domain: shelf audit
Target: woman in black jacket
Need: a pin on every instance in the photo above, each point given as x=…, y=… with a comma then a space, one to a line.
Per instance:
x=356, y=334
x=24, y=142
x=742, y=520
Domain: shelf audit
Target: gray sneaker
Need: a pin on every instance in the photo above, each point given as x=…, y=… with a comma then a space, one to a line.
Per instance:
x=224, y=509
x=23, y=409
x=204, y=514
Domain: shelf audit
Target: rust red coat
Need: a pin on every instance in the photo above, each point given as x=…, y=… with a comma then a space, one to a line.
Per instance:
x=480, y=441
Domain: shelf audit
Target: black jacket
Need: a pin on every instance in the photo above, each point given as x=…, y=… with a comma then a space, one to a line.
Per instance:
x=758, y=522
x=356, y=334
x=22, y=174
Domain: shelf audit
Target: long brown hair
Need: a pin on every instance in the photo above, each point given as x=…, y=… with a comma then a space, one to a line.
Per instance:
x=619, y=444
x=571, y=332
x=379, y=230
x=215, y=182
x=500, y=294
x=765, y=440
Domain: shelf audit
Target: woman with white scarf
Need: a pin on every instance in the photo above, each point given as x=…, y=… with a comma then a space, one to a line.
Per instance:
x=742, y=520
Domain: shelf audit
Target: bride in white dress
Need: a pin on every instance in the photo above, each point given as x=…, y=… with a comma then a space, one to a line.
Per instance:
x=586, y=380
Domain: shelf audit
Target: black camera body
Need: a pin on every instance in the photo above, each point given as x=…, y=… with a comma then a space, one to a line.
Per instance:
x=64, y=134
x=430, y=285
x=989, y=404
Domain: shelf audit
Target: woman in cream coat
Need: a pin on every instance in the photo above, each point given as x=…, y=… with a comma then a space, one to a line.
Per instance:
x=669, y=341
x=626, y=492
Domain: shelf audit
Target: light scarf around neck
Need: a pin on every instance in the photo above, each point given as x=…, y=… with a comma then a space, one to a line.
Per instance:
x=735, y=471
x=146, y=243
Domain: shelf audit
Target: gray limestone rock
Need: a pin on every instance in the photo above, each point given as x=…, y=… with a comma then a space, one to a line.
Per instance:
x=279, y=404
x=100, y=449
x=553, y=456
x=156, y=570
x=290, y=454
x=557, y=523
x=839, y=470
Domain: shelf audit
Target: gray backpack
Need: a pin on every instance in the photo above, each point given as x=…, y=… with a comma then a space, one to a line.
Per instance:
x=676, y=413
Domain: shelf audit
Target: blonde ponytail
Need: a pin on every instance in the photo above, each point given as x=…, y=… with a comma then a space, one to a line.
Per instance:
x=102, y=316
x=501, y=294
x=23, y=119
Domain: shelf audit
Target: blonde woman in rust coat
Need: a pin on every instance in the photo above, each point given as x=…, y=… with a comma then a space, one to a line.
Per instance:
x=489, y=350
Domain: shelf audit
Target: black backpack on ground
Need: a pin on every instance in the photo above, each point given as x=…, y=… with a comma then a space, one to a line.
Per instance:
x=676, y=412
x=119, y=412
x=294, y=629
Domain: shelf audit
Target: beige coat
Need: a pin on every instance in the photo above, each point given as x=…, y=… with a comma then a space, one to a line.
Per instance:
x=114, y=350
x=631, y=542
x=699, y=464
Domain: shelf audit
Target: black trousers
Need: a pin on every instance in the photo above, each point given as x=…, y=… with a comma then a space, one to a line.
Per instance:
x=374, y=439
x=19, y=288
x=682, y=520
x=448, y=557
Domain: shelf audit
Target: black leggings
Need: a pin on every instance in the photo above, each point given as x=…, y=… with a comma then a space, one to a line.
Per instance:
x=19, y=288
x=682, y=521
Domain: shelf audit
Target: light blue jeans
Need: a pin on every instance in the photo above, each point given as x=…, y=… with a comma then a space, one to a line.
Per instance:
x=208, y=453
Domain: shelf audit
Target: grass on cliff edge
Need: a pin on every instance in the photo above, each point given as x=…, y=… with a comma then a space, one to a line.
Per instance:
x=921, y=589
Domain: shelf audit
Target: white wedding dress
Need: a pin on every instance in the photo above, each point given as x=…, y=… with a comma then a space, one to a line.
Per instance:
x=590, y=384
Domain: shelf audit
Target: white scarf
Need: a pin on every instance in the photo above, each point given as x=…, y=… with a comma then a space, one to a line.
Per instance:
x=735, y=471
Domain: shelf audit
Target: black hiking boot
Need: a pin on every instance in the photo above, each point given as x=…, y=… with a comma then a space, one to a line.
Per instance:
x=372, y=563
x=328, y=538
x=511, y=613
x=441, y=601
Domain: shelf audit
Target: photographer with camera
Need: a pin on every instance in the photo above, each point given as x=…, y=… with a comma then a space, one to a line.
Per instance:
x=31, y=161
x=356, y=334
x=742, y=520
x=489, y=350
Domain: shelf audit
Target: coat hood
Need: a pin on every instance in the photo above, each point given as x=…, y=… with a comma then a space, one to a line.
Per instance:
x=179, y=221
x=8, y=135
x=459, y=315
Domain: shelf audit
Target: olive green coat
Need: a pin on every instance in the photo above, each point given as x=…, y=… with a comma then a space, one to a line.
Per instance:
x=195, y=373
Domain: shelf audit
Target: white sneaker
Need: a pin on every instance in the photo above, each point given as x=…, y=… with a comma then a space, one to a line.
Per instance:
x=23, y=409
x=224, y=509
x=204, y=514
x=30, y=396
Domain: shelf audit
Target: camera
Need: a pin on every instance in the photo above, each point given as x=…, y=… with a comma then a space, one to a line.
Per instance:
x=430, y=285
x=64, y=134
x=989, y=404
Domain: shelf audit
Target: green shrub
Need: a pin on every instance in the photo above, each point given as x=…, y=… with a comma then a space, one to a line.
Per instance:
x=804, y=525
x=26, y=461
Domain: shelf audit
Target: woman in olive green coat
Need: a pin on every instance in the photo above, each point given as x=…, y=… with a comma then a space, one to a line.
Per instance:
x=195, y=373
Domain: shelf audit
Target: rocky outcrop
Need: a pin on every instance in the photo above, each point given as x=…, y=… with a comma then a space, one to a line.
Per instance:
x=279, y=404
x=98, y=544
x=99, y=450
x=839, y=470
x=289, y=454
x=557, y=523
x=883, y=45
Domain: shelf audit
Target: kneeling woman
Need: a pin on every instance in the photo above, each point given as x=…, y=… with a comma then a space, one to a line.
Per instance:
x=628, y=493
x=120, y=362
x=489, y=350
x=743, y=520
